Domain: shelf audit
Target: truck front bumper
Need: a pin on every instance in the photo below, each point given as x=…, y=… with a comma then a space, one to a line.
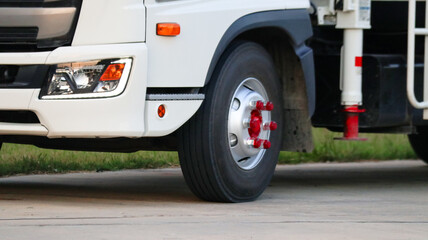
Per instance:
x=126, y=115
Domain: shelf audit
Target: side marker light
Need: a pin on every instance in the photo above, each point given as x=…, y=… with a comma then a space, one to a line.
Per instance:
x=168, y=29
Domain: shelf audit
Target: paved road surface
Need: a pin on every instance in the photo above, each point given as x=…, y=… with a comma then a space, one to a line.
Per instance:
x=387, y=200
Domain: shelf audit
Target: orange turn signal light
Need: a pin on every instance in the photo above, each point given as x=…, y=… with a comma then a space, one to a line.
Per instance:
x=113, y=72
x=168, y=29
x=161, y=111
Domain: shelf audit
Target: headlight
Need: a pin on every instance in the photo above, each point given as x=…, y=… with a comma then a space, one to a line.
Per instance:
x=93, y=79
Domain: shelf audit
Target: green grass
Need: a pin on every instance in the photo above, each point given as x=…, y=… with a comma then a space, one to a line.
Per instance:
x=24, y=159
x=378, y=147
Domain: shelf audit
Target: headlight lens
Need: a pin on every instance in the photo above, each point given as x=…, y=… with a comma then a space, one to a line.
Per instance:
x=101, y=78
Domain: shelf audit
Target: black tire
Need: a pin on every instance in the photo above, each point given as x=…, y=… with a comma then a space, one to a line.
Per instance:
x=204, y=148
x=419, y=143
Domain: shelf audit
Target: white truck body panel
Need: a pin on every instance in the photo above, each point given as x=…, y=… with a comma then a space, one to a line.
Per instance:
x=127, y=28
x=192, y=49
x=177, y=115
x=21, y=98
x=24, y=58
x=110, y=22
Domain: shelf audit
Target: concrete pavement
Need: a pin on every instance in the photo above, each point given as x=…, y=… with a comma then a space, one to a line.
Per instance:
x=384, y=200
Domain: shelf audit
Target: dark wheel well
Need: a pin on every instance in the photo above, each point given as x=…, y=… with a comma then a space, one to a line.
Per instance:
x=298, y=130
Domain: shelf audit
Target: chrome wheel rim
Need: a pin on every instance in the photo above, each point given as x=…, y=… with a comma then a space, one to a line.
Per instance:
x=241, y=108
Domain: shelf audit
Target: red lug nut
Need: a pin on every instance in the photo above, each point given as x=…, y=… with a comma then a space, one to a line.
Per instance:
x=273, y=126
x=257, y=143
x=266, y=144
x=270, y=126
x=260, y=105
x=269, y=106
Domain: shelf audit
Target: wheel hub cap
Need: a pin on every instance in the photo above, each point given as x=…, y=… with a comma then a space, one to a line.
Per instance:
x=249, y=124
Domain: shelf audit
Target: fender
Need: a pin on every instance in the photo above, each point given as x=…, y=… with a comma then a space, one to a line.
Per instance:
x=294, y=23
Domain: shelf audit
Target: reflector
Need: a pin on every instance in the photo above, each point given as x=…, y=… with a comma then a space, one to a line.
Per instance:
x=161, y=111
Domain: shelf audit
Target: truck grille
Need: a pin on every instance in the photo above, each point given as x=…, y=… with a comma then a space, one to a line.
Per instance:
x=37, y=25
x=18, y=34
x=26, y=76
x=18, y=117
x=36, y=3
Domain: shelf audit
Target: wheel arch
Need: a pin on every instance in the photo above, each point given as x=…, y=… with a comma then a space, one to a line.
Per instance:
x=283, y=34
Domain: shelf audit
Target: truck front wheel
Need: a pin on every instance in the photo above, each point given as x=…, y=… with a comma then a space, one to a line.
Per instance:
x=229, y=149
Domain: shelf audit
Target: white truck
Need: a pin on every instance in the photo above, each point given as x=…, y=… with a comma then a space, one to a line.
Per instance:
x=226, y=83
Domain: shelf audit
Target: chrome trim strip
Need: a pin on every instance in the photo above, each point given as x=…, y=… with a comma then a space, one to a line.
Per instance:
x=169, y=97
x=52, y=22
x=34, y=129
